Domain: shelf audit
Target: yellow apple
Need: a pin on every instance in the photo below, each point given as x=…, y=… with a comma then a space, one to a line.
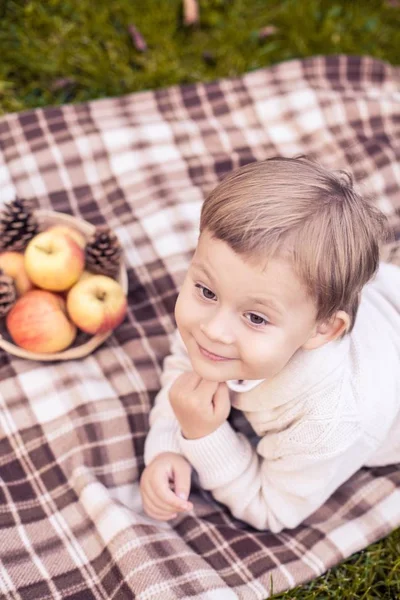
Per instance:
x=38, y=322
x=76, y=235
x=85, y=275
x=54, y=262
x=12, y=264
x=97, y=304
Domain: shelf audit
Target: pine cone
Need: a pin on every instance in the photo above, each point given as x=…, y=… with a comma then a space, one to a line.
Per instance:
x=18, y=225
x=8, y=294
x=103, y=252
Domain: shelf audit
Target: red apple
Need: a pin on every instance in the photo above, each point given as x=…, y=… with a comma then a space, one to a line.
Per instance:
x=12, y=263
x=38, y=322
x=97, y=304
x=54, y=262
x=76, y=235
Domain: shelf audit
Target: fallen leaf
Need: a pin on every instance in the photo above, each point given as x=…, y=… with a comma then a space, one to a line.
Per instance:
x=267, y=31
x=209, y=58
x=190, y=12
x=62, y=83
x=138, y=40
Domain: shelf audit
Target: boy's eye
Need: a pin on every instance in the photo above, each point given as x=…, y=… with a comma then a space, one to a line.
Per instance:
x=256, y=319
x=205, y=292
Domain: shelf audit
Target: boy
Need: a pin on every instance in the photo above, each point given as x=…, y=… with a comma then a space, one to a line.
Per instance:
x=267, y=324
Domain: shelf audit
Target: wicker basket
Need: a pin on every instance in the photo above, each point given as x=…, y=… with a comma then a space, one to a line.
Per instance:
x=83, y=344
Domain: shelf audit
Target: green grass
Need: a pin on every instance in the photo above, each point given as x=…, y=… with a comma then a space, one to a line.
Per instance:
x=86, y=45
x=42, y=41
x=373, y=574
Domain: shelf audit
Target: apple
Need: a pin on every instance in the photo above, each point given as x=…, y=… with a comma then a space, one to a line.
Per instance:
x=97, y=304
x=54, y=262
x=12, y=264
x=38, y=322
x=76, y=235
x=85, y=275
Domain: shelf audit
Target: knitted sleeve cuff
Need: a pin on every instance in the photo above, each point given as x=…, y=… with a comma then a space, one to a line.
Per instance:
x=219, y=457
x=162, y=437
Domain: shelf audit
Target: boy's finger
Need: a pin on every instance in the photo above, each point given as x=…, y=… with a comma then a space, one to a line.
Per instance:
x=152, y=499
x=222, y=403
x=159, y=514
x=195, y=380
x=153, y=505
x=167, y=496
x=188, y=381
x=156, y=495
x=182, y=481
x=206, y=389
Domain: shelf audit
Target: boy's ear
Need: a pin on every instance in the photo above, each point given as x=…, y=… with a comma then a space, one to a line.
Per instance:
x=328, y=331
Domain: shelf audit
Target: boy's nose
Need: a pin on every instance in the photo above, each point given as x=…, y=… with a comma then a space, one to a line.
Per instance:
x=217, y=330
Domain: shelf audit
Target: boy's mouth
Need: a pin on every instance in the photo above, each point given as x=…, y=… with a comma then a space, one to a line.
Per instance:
x=211, y=355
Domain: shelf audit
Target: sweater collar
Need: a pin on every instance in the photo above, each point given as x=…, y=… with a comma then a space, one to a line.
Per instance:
x=305, y=370
x=243, y=385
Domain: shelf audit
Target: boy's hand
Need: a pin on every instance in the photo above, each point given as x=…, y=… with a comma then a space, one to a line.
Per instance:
x=200, y=406
x=159, y=501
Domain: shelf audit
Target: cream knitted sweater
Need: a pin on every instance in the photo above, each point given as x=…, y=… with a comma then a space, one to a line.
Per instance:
x=328, y=413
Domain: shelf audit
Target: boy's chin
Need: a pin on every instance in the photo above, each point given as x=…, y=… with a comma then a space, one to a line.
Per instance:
x=209, y=372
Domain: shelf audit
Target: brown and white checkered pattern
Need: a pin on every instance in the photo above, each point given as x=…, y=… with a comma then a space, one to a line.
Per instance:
x=72, y=434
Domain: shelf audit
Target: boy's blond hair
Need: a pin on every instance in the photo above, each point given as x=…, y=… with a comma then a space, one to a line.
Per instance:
x=295, y=208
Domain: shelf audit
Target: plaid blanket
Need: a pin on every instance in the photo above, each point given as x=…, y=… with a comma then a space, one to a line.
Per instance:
x=72, y=433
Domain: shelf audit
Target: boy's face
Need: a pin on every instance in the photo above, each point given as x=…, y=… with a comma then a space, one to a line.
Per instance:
x=239, y=320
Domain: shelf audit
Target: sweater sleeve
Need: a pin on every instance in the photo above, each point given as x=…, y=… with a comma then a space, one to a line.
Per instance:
x=278, y=486
x=164, y=427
